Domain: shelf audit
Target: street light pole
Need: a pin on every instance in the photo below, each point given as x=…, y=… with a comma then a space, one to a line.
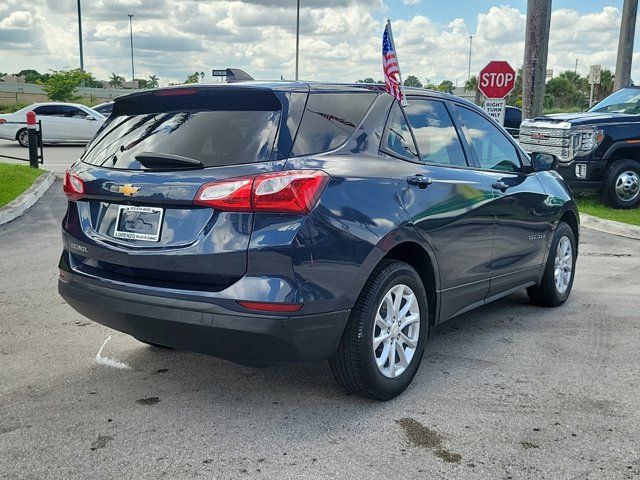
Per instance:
x=133, y=74
x=470, y=43
x=297, y=37
x=80, y=37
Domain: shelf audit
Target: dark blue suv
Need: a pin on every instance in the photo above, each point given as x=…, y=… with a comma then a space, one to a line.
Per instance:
x=283, y=222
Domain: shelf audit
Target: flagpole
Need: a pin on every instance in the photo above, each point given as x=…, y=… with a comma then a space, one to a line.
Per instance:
x=393, y=44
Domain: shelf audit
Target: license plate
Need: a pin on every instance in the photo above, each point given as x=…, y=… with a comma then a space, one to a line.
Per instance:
x=139, y=223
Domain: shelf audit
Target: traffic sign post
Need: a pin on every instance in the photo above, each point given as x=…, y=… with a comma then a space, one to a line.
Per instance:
x=595, y=74
x=496, y=81
x=495, y=107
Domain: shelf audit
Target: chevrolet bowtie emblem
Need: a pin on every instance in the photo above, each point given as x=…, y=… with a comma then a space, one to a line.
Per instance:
x=128, y=190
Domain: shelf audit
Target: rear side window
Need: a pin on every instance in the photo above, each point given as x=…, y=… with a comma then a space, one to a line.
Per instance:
x=329, y=119
x=398, y=139
x=49, y=111
x=215, y=129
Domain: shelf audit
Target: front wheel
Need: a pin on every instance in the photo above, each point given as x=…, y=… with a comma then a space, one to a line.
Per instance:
x=384, y=340
x=559, y=272
x=621, y=187
x=23, y=137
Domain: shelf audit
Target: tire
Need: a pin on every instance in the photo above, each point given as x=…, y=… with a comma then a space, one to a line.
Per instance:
x=23, y=137
x=621, y=188
x=355, y=364
x=550, y=293
x=155, y=345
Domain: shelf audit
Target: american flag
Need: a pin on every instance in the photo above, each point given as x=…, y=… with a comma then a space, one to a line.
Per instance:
x=392, y=77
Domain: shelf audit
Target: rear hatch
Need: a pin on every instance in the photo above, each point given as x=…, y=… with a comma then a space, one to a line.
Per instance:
x=135, y=219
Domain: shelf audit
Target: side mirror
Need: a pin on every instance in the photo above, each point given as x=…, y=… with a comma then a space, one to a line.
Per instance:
x=89, y=117
x=543, y=162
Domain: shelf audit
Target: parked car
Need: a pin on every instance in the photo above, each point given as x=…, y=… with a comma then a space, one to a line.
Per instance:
x=512, y=120
x=104, y=108
x=599, y=150
x=282, y=222
x=61, y=123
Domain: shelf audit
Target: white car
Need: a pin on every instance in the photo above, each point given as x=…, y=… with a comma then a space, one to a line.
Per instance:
x=61, y=123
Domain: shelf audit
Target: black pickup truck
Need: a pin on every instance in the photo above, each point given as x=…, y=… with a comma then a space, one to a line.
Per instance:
x=599, y=150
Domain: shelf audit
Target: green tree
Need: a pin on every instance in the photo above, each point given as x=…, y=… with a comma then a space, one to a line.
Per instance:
x=561, y=92
x=606, y=85
x=61, y=85
x=153, y=81
x=30, y=75
x=116, y=81
x=446, y=86
x=412, y=81
x=142, y=83
x=515, y=97
x=193, y=78
x=366, y=80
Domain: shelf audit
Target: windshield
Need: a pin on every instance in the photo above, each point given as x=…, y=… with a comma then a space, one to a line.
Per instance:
x=626, y=100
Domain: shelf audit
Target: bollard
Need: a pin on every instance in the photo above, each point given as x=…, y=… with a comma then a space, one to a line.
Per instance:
x=33, y=139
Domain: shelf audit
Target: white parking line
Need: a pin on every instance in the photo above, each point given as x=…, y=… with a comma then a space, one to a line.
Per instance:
x=109, y=362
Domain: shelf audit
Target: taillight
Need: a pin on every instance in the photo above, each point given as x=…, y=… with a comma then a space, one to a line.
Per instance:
x=73, y=186
x=232, y=195
x=2, y=120
x=292, y=191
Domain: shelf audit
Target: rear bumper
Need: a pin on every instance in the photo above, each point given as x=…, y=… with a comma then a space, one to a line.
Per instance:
x=206, y=327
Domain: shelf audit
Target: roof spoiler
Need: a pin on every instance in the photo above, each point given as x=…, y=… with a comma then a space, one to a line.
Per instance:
x=237, y=75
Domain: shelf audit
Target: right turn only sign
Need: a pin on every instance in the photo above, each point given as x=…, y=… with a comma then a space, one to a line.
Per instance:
x=496, y=81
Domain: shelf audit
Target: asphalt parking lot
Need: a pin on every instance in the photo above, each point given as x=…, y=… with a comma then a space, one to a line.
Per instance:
x=506, y=391
x=56, y=157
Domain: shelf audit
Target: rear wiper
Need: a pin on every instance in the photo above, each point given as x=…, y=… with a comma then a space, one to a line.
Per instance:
x=166, y=160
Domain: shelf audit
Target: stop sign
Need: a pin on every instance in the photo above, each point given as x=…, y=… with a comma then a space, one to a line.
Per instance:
x=497, y=79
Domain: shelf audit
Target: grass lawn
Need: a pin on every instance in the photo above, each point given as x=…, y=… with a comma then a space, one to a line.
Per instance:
x=593, y=206
x=15, y=179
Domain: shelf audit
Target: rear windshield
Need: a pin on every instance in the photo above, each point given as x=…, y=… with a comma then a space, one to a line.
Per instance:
x=215, y=129
x=329, y=119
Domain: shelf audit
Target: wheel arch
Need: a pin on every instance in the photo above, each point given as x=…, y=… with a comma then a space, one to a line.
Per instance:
x=18, y=132
x=623, y=150
x=423, y=261
x=571, y=218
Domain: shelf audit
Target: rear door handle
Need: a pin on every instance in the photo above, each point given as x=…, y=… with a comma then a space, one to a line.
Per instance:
x=419, y=181
x=500, y=185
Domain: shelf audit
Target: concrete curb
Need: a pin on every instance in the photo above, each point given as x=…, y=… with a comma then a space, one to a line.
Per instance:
x=27, y=199
x=609, y=226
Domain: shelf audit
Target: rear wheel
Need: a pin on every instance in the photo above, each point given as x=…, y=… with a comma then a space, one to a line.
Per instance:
x=621, y=187
x=23, y=137
x=557, y=280
x=383, y=343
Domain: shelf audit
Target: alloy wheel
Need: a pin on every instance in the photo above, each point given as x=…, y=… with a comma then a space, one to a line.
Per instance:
x=628, y=186
x=23, y=138
x=396, y=331
x=563, y=265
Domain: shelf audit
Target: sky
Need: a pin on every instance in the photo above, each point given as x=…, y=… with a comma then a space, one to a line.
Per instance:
x=340, y=39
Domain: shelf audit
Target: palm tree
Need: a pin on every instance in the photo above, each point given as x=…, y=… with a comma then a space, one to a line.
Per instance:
x=471, y=85
x=116, y=81
x=153, y=82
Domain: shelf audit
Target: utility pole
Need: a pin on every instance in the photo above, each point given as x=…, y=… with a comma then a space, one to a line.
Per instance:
x=297, y=37
x=133, y=73
x=536, y=47
x=625, y=44
x=80, y=37
x=470, y=43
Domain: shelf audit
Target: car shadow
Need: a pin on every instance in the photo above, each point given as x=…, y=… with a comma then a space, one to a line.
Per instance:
x=468, y=341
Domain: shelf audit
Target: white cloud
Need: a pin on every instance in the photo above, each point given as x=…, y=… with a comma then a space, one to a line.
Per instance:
x=340, y=39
